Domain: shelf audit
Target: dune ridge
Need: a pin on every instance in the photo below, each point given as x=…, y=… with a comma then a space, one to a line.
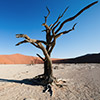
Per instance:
x=23, y=59
x=19, y=59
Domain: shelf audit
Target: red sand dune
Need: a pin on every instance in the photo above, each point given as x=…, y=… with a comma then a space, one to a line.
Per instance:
x=23, y=59
x=18, y=59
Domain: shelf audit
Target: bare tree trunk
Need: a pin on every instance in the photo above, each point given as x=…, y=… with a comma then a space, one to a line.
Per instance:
x=48, y=73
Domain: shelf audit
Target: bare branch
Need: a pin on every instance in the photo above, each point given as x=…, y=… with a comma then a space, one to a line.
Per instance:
x=47, y=15
x=36, y=43
x=72, y=18
x=52, y=46
x=43, y=30
x=40, y=57
x=50, y=25
x=44, y=24
x=73, y=28
x=54, y=29
x=65, y=32
x=57, y=22
x=59, y=18
x=25, y=41
x=64, y=11
x=29, y=40
x=44, y=51
x=22, y=36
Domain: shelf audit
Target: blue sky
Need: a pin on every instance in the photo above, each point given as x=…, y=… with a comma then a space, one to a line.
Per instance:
x=26, y=17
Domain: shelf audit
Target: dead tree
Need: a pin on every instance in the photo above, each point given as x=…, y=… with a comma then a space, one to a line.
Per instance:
x=52, y=33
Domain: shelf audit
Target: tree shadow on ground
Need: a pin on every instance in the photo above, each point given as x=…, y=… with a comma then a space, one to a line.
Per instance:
x=31, y=81
x=27, y=81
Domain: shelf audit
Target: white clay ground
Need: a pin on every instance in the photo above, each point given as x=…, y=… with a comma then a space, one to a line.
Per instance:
x=82, y=82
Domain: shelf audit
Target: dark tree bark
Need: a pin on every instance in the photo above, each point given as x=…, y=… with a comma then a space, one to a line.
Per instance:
x=51, y=36
x=48, y=73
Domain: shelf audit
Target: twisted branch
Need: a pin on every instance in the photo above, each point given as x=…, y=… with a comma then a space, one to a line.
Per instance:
x=44, y=24
x=59, y=18
x=72, y=18
x=65, y=32
x=28, y=39
x=54, y=29
x=25, y=41
x=40, y=57
x=36, y=43
x=52, y=46
x=47, y=15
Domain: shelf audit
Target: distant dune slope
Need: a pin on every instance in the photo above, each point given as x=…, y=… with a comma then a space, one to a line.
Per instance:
x=23, y=59
x=89, y=58
x=18, y=59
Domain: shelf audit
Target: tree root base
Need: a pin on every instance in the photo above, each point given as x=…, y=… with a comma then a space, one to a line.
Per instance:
x=48, y=84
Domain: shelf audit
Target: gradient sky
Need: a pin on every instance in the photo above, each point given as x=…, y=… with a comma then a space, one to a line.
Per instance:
x=26, y=17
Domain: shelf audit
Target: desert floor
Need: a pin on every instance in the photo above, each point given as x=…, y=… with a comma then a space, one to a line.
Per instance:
x=82, y=82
